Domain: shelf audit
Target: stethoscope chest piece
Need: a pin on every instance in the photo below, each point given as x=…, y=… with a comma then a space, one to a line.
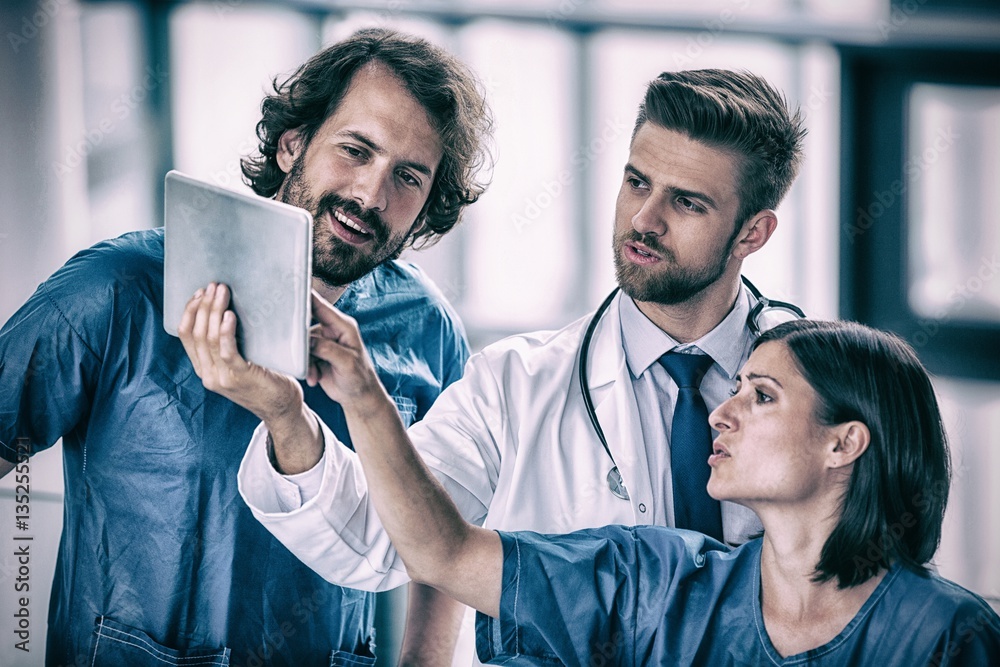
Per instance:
x=616, y=484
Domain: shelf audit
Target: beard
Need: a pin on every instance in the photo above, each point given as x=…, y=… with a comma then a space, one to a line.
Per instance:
x=336, y=262
x=673, y=284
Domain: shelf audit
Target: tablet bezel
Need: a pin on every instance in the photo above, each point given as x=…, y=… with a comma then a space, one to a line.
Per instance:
x=260, y=248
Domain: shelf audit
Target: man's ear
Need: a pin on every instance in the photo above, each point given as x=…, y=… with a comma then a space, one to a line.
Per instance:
x=852, y=440
x=290, y=146
x=755, y=234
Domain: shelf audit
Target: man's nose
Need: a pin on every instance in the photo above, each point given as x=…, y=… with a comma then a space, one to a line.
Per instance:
x=371, y=185
x=649, y=219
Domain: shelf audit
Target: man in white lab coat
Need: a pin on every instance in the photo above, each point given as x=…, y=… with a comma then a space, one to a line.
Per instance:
x=712, y=154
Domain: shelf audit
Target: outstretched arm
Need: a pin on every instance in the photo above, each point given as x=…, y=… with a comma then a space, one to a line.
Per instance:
x=437, y=545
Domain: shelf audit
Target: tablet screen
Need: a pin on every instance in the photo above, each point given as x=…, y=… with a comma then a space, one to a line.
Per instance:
x=260, y=248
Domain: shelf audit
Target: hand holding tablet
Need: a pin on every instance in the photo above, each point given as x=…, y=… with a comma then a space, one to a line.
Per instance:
x=260, y=248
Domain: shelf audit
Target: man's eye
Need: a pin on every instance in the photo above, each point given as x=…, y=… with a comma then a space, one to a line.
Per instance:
x=409, y=179
x=352, y=151
x=689, y=205
x=635, y=183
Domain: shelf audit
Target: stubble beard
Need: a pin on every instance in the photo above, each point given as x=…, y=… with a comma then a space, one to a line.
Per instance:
x=668, y=287
x=337, y=263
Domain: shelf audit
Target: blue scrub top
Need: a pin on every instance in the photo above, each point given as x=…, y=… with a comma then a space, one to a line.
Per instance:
x=649, y=595
x=160, y=561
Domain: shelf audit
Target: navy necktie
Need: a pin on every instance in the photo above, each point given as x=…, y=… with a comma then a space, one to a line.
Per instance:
x=691, y=445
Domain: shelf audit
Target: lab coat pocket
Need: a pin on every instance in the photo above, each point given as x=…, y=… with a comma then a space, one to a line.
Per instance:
x=345, y=659
x=118, y=645
x=407, y=409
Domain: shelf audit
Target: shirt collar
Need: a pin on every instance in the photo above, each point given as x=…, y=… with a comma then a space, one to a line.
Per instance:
x=645, y=343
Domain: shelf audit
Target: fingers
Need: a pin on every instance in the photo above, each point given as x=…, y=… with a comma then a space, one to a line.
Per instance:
x=330, y=351
x=313, y=373
x=345, y=373
x=216, y=305
x=185, y=330
x=321, y=306
x=199, y=332
x=335, y=324
x=228, y=351
x=208, y=333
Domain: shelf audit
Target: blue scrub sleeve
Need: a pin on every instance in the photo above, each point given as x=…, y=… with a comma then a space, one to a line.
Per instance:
x=563, y=599
x=973, y=637
x=48, y=370
x=575, y=598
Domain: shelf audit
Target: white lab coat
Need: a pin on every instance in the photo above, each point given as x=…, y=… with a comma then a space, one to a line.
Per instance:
x=512, y=437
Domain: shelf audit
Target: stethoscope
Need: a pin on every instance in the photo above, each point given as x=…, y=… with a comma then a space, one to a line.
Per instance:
x=762, y=305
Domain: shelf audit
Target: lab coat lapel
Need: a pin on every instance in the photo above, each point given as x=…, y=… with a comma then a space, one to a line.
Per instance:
x=614, y=401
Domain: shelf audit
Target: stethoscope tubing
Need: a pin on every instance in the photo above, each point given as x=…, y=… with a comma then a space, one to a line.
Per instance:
x=614, y=476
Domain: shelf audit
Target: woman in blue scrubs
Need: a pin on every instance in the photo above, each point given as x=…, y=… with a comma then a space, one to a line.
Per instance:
x=832, y=436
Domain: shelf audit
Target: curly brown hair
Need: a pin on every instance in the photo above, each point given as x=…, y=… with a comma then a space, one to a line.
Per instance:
x=446, y=88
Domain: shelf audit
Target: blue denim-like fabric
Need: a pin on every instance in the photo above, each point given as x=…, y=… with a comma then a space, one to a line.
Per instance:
x=649, y=595
x=160, y=561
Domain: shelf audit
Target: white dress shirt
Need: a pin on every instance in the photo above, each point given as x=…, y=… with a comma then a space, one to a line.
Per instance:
x=728, y=344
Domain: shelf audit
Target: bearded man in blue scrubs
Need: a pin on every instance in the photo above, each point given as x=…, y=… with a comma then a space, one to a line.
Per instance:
x=380, y=137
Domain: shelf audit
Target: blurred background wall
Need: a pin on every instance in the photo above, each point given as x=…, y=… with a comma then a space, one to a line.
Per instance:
x=894, y=220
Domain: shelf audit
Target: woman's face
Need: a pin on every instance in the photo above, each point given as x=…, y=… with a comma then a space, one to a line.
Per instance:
x=770, y=449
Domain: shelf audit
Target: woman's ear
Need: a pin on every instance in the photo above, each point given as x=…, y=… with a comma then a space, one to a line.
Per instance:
x=290, y=145
x=853, y=439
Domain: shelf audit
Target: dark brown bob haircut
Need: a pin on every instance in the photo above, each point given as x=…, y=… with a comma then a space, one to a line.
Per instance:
x=446, y=88
x=737, y=112
x=895, y=499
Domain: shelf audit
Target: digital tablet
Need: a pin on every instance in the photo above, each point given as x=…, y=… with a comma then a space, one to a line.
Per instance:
x=260, y=248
